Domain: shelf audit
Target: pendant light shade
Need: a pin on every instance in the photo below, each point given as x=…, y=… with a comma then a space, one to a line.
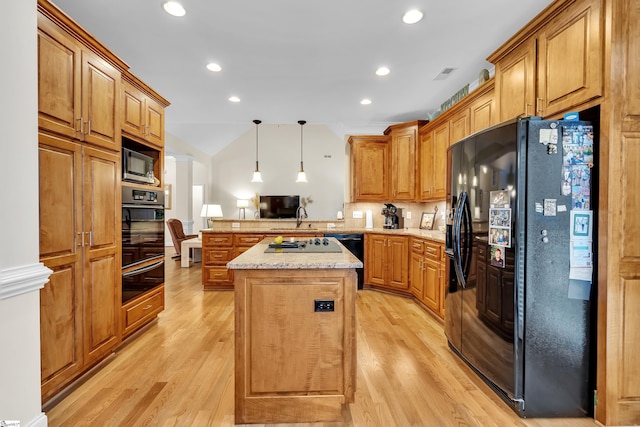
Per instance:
x=257, y=176
x=302, y=177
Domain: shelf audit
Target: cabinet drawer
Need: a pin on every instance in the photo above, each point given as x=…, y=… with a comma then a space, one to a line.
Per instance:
x=210, y=239
x=138, y=313
x=416, y=245
x=216, y=274
x=247, y=239
x=217, y=256
x=432, y=251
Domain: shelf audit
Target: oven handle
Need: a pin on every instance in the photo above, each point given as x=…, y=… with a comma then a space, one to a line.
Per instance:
x=143, y=269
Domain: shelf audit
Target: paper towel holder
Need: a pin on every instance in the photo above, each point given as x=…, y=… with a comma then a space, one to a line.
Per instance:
x=368, y=224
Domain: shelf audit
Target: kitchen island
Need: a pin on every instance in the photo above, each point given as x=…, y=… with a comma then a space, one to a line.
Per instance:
x=295, y=333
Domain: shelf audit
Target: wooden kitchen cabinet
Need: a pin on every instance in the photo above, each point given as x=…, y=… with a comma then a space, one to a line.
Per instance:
x=370, y=160
x=140, y=311
x=217, y=251
x=564, y=55
x=515, y=82
x=78, y=91
x=80, y=241
x=242, y=242
x=404, y=137
x=432, y=152
x=459, y=126
x=387, y=261
x=427, y=273
x=482, y=110
x=142, y=115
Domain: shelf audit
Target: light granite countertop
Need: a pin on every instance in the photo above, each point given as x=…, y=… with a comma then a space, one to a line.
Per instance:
x=435, y=235
x=256, y=259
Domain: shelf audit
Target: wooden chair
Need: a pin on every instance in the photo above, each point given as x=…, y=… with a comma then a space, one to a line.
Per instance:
x=177, y=235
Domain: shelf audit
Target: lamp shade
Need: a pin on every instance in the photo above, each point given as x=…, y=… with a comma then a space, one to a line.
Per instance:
x=242, y=203
x=211, y=211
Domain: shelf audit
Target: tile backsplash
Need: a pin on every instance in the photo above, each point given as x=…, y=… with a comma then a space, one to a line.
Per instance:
x=414, y=210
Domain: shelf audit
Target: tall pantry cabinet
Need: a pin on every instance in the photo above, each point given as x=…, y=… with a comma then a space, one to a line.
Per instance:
x=79, y=168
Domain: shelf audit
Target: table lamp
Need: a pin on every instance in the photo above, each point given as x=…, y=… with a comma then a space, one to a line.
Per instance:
x=209, y=212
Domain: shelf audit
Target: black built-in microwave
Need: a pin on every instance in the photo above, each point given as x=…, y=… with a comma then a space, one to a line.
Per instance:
x=137, y=167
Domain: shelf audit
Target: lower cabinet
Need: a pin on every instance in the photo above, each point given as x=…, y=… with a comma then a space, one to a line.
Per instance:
x=217, y=251
x=140, y=311
x=386, y=260
x=220, y=248
x=427, y=273
x=80, y=241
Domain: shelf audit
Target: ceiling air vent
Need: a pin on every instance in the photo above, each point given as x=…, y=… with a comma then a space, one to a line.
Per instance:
x=446, y=72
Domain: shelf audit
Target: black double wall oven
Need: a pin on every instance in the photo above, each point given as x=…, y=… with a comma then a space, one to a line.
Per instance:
x=142, y=241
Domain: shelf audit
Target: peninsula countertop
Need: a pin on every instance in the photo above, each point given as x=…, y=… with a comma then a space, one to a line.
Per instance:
x=256, y=259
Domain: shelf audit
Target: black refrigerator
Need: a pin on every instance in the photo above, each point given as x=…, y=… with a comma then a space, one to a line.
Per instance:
x=520, y=241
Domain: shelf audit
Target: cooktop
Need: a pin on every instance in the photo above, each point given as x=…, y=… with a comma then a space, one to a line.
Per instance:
x=312, y=245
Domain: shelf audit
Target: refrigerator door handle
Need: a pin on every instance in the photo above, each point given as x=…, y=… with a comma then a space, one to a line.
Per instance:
x=457, y=226
x=468, y=234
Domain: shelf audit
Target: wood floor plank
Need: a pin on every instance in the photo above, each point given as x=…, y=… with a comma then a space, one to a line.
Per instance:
x=179, y=372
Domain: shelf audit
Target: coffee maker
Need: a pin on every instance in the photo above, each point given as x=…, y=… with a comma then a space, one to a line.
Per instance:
x=392, y=216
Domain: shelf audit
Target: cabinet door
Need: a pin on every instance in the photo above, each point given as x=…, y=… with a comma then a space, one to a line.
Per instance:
x=481, y=113
x=102, y=277
x=375, y=259
x=403, y=148
x=425, y=155
x=515, y=82
x=58, y=80
x=133, y=110
x=100, y=106
x=431, y=294
x=459, y=125
x=440, y=145
x=398, y=263
x=61, y=298
x=154, y=120
x=570, y=58
x=369, y=169
x=416, y=274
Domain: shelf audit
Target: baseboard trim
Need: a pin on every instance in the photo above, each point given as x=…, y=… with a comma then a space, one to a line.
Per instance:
x=24, y=279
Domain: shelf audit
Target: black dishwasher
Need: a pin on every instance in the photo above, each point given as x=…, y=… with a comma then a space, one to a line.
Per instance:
x=355, y=244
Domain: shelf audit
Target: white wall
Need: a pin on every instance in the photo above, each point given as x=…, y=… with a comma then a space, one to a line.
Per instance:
x=279, y=157
x=19, y=266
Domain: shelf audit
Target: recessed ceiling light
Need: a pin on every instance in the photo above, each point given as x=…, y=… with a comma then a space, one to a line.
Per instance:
x=174, y=8
x=382, y=71
x=214, y=67
x=412, y=16
x=234, y=99
x=365, y=101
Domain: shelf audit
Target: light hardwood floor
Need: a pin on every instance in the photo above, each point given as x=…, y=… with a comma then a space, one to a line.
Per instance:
x=179, y=372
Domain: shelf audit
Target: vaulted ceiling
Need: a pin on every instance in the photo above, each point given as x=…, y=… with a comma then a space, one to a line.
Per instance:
x=289, y=60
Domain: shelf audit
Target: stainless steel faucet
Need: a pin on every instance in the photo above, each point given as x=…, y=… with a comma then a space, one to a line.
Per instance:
x=301, y=213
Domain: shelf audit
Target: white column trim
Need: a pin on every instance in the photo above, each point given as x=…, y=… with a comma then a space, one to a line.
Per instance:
x=40, y=421
x=24, y=279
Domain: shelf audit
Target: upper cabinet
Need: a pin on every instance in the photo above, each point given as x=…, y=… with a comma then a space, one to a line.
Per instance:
x=78, y=90
x=554, y=64
x=369, y=168
x=403, y=160
x=142, y=111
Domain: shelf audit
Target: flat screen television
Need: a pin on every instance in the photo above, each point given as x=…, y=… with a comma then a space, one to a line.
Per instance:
x=279, y=206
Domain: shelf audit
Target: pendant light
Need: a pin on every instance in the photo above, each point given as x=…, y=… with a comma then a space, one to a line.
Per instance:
x=302, y=177
x=257, y=176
